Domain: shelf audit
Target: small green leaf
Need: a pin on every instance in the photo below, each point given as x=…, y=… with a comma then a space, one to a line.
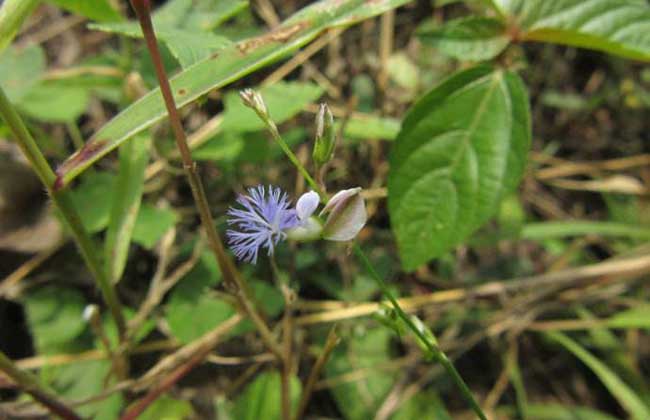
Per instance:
x=127, y=195
x=93, y=199
x=151, y=224
x=620, y=27
x=229, y=65
x=222, y=147
x=12, y=15
x=99, y=10
x=360, y=400
x=55, y=102
x=186, y=43
x=192, y=311
x=461, y=148
x=467, y=39
x=55, y=317
x=189, y=320
x=283, y=99
x=84, y=379
x=188, y=47
x=269, y=298
x=261, y=398
x=21, y=70
x=167, y=408
x=635, y=317
x=208, y=14
x=619, y=389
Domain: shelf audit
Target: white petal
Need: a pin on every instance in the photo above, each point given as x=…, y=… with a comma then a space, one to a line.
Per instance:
x=307, y=204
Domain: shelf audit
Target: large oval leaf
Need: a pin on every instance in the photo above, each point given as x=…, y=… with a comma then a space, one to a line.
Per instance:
x=225, y=66
x=620, y=27
x=460, y=148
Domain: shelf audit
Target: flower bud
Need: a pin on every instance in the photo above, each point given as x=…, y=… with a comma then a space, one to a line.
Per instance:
x=254, y=100
x=91, y=313
x=309, y=228
x=325, y=136
x=347, y=215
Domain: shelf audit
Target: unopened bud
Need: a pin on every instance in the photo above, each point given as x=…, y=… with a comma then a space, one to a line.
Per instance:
x=91, y=313
x=325, y=136
x=347, y=215
x=309, y=227
x=254, y=100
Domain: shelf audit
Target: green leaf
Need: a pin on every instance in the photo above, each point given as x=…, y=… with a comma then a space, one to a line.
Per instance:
x=230, y=64
x=461, y=148
x=467, y=39
x=93, y=198
x=283, y=100
x=151, y=224
x=619, y=389
x=261, y=398
x=208, y=14
x=360, y=400
x=12, y=15
x=188, y=47
x=21, y=70
x=620, y=27
x=192, y=311
x=99, y=10
x=84, y=379
x=55, y=102
x=222, y=147
x=167, y=408
x=635, y=317
x=269, y=298
x=55, y=317
x=189, y=320
x=187, y=44
x=127, y=195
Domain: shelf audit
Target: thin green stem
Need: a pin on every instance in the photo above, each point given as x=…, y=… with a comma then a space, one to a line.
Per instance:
x=65, y=205
x=273, y=129
x=30, y=384
x=431, y=346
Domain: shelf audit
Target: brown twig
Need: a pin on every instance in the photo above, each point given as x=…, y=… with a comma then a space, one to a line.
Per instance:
x=202, y=345
x=330, y=343
x=30, y=385
x=231, y=275
x=165, y=385
x=616, y=267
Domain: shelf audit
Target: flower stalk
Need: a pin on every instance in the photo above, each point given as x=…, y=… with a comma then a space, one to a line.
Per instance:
x=254, y=101
x=230, y=273
x=429, y=342
x=64, y=204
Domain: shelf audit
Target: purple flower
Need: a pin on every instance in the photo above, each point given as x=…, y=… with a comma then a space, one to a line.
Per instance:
x=261, y=222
